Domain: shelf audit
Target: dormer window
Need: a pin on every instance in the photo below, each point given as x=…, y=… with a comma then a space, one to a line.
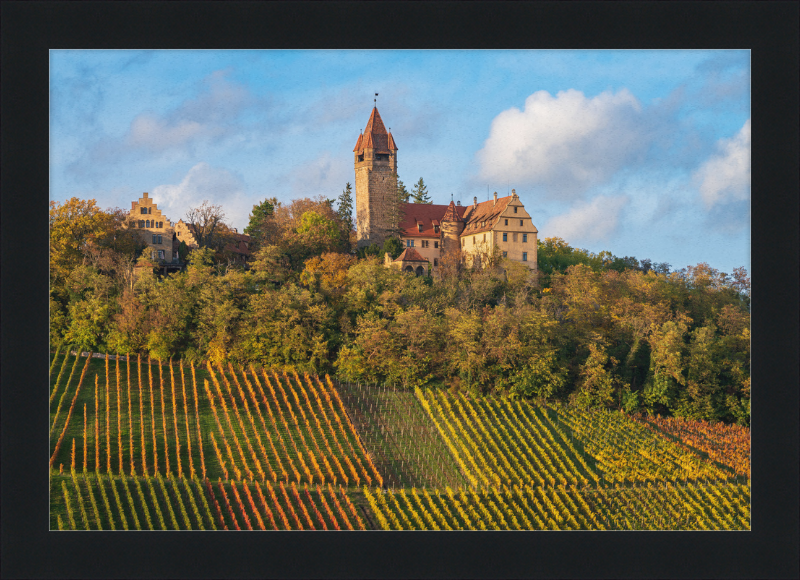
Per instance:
x=419, y=227
x=436, y=229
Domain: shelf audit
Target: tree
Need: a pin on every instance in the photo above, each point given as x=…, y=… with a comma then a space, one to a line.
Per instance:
x=205, y=221
x=262, y=227
x=73, y=225
x=345, y=209
x=420, y=193
x=402, y=193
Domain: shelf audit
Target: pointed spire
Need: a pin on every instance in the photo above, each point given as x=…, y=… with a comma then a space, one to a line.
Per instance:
x=375, y=136
x=451, y=214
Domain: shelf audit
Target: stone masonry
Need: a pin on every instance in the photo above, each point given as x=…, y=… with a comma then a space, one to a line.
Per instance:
x=375, y=160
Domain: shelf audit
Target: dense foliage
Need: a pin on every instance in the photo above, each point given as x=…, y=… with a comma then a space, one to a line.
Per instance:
x=596, y=330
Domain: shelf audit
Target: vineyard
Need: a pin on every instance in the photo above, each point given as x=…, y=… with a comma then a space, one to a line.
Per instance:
x=140, y=444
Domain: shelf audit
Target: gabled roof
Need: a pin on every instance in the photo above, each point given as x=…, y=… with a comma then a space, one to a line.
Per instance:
x=410, y=255
x=486, y=211
x=375, y=136
x=428, y=215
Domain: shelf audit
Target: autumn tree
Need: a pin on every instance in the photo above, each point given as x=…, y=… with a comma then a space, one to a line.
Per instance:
x=73, y=226
x=205, y=221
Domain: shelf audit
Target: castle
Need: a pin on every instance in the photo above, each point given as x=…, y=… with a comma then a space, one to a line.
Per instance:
x=163, y=237
x=427, y=230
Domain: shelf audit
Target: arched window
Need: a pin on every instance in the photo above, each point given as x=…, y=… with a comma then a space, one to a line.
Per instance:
x=409, y=269
x=147, y=223
x=420, y=270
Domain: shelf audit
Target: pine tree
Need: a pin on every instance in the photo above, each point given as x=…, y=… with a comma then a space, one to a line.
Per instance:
x=420, y=193
x=403, y=193
x=345, y=209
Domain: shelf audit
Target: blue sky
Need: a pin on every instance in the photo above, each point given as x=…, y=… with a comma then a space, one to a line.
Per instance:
x=642, y=153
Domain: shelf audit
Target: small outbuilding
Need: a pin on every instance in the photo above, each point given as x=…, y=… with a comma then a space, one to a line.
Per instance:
x=409, y=261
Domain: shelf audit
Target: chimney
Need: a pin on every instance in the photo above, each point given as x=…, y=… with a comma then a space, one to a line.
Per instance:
x=495, y=199
x=475, y=202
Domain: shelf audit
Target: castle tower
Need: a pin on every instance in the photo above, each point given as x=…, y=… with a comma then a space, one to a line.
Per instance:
x=452, y=226
x=375, y=159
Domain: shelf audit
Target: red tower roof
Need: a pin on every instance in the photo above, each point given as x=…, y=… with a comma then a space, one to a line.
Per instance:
x=375, y=136
x=451, y=214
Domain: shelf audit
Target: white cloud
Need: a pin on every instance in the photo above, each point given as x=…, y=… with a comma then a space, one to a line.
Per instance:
x=212, y=114
x=587, y=222
x=202, y=182
x=725, y=177
x=567, y=143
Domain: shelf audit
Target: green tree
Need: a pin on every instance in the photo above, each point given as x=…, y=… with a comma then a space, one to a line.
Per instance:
x=402, y=193
x=261, y=226
x=419, y=193
x=345, y=208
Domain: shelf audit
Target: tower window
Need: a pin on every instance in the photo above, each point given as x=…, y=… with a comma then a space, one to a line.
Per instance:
x=505, y=236
x=515, y=209
x=361, y=158
x=524, y=238
x=524, y=256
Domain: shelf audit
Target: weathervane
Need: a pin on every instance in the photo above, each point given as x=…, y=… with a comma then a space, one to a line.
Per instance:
x=376, y=100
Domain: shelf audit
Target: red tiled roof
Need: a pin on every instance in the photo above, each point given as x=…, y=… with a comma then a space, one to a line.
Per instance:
x=486, y=211
x=428, y=215
x=375, y=136
x=410, y=255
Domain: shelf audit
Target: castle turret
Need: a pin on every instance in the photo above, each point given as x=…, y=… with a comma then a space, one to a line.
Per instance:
x=452, y=226
x=375, y=160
